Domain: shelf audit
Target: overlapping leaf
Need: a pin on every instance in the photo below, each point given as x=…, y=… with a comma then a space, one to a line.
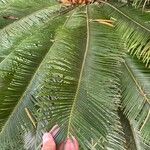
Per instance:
x=71, y=80
x=78, y=89
x=134, y=28
x=136, y=95
x=24, y=49
x=12, y=10
x=16, y=32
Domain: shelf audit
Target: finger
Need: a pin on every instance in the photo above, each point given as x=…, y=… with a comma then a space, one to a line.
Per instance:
x=75, y=142
x=69, y=145
x=54, y=130
x=48, y=142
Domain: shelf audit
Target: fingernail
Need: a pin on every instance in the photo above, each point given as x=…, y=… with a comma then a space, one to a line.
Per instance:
x=54, y=130
x=46, y=137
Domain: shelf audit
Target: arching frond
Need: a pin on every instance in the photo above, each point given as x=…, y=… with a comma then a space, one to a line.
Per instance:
x=14, y=33
x=12, y=10
x=78, y=88
x=134, y=28
x=65, y=69
x=17, y=75
x=136, y=95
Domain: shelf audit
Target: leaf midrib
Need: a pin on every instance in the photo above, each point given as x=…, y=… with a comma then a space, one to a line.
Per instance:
x=142, y=92
x=125, y=15
x=146, y=100
x=81, y=73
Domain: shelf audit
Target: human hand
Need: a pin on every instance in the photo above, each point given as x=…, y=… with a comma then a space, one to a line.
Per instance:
x=49, y=142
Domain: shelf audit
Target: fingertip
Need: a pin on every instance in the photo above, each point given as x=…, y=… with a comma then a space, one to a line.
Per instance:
x=54, y=130
x=46, y=137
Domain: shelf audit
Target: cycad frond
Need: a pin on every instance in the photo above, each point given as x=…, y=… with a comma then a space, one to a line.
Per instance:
x=78, y=88
x=20, y=8
x=14, y=33
x=136, y=95
x=68, y=74
x=25, y=53
x=134, y=28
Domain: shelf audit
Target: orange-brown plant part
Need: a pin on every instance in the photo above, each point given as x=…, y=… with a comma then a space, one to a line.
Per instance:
x=75, y=2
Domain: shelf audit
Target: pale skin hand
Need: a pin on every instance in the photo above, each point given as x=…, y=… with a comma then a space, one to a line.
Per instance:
x=49, y=142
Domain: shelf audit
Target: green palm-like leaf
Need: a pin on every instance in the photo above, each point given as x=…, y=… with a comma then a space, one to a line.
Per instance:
x=19, y=9
x=70, y=96
x=73, y=46
x=25, y=27
x=59, y=66
x=21, y=58
x=134, y=30
x=136, y=95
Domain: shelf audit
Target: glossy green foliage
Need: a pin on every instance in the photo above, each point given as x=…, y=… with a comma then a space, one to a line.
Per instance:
x=59, y=66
